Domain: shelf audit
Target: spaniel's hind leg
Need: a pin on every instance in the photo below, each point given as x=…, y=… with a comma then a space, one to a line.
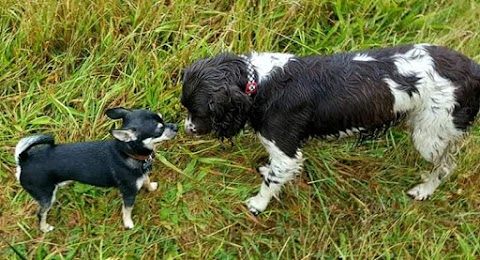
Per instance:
x=282, y=168
x=436, y=138
x=443, y=166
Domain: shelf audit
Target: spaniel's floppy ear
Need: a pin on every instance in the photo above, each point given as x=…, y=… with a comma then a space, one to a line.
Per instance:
x=229, y=108
x=117, y=112
x=243, y=102
x=219, y=101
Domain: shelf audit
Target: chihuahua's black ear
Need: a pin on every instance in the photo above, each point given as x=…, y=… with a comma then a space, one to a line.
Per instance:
x=117, y=112
x=124, y=135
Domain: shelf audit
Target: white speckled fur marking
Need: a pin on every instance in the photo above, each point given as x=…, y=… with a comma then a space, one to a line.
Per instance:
x=363, y=57
x=265, y=62
x=430, y=110
x=281, y=169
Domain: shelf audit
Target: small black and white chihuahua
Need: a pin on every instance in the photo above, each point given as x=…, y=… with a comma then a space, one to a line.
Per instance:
x=123, y=162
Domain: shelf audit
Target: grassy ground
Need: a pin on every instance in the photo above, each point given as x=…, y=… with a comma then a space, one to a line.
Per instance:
x=62, y=63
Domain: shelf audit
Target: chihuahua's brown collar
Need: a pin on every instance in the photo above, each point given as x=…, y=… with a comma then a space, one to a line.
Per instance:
x=140, y=157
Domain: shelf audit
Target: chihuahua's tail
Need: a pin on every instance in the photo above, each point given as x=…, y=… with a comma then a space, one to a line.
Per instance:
x=25, y=144
x=28, y=142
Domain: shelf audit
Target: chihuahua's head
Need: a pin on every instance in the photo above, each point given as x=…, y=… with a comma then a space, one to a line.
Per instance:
x=141, y=127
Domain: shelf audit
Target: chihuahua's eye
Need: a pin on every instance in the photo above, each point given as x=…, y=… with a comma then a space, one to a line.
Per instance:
x=159, y=131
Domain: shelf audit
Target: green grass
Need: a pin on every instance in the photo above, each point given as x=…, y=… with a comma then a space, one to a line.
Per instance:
x=62, y=63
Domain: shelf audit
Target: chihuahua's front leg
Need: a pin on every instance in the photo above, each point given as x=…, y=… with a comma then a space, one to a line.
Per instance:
x=128, y=201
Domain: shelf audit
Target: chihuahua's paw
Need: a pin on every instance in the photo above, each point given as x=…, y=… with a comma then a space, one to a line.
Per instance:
x=256, y=204
x=153, y=186
x=46, y=228
x=128, y=224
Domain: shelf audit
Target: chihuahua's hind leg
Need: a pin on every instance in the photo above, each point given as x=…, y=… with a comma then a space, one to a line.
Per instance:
x=150, y=186
x=42, y=217
x=45, y=203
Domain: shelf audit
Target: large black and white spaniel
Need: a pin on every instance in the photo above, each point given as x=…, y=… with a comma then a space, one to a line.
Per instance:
x=287, y=99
